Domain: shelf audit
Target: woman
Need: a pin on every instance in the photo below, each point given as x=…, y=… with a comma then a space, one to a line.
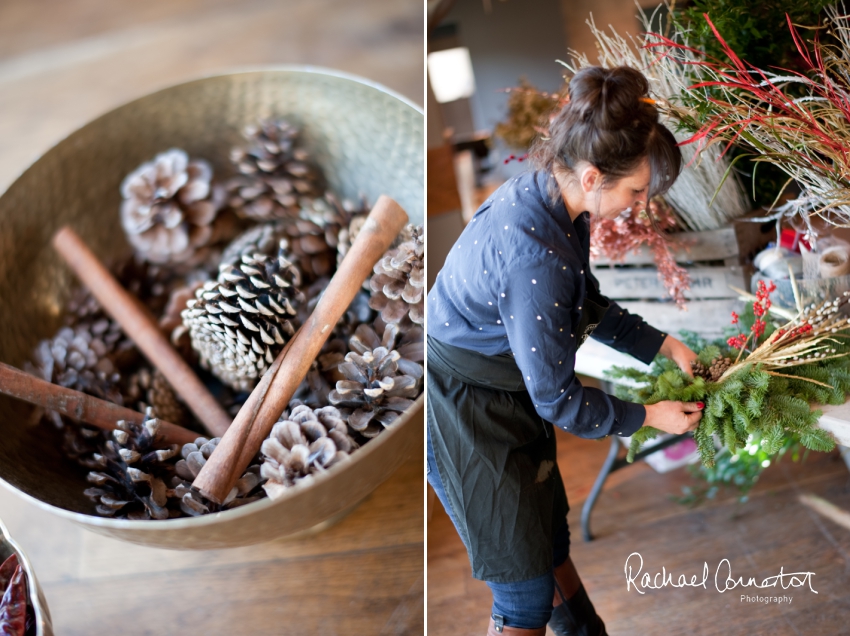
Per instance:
x=506, y=315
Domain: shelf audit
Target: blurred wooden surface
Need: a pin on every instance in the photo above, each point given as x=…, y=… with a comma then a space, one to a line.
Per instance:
x=634, y=513
x=64, y=62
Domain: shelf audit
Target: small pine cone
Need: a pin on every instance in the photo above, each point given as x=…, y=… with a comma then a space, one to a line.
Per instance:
x=302, y=443
x=194, y=456
x=334, y=216
x=719, y=367
x=348, y=235
x=382, y=378
x=240, y=322
x=152, y=389
x=699, y=369
x=126, y=485
x=399, y=281
x=275, y=173
x=169, y=207
x=352, y=217
x=80, y=357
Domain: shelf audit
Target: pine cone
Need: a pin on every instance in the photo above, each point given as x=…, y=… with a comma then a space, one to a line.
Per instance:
x=80, y=358
x=194, y=456
x=130, y=475
x=171, y=321
x=712, y=372
x=381, y=378
x=342, y=220
x=240, y=322
x=399, y=281
x=125, y=486
x=348, y=234
x=169, y=207
x=306, y=244
x=303, y=443
x=150, y=388
x=718, y=368
x=275, y=173
x=699, y=369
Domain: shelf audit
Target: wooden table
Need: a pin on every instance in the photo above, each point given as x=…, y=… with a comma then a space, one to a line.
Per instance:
x=62, y=63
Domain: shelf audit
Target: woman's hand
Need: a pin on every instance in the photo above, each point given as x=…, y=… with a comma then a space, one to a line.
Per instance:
x=674, y=417
x=679, y=353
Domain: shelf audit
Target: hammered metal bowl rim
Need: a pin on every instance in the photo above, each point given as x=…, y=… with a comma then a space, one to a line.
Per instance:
x=226, y=72
x=267, y=502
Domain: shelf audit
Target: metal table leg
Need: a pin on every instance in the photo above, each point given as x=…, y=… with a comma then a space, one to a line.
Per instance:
x=611, y=464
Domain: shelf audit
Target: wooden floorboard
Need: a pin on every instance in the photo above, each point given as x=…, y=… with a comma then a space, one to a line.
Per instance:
x=636, y=513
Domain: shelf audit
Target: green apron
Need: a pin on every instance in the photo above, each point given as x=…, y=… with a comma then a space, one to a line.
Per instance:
x=497, y=457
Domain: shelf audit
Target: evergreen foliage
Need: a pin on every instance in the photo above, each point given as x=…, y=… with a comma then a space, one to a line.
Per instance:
x=748, y=404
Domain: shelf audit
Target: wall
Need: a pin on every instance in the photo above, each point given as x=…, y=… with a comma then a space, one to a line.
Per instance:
x=517, y=38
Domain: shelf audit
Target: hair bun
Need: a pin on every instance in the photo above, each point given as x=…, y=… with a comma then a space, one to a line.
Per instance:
x=612, y=99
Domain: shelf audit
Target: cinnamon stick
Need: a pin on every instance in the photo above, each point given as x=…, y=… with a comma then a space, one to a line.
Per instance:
x=271, y=396
x=79, y=406
x=140, y=327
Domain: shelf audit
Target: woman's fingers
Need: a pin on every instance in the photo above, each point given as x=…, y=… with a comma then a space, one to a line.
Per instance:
x=693, y=420
x=691, y=407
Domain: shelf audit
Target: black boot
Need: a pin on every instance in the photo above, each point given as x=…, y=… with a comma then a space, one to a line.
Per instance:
x=577, y=617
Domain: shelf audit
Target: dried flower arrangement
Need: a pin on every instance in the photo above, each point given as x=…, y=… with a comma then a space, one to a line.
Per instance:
x=760, y=382
x=615, y=238
x=804, y=134
x=17, y=617
x=231, y=271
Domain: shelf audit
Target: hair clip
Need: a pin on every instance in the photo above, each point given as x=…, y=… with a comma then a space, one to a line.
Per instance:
x=648, y=100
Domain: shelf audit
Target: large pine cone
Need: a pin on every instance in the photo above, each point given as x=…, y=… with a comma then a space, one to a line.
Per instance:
x=276, y=173
x=169, y=207
x=382, y=377
x=302, y=443
x=398, y=284
x=240, y=322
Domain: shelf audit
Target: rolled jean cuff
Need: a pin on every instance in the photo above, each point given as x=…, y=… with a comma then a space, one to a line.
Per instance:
x=524, y=604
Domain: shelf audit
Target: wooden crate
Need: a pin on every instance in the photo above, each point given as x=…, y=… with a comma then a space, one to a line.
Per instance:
x=713, y=261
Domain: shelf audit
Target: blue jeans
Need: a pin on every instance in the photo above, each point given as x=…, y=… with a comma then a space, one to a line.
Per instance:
x=524, y=604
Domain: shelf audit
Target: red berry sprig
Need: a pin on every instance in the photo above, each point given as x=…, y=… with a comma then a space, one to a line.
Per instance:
x=760, y=307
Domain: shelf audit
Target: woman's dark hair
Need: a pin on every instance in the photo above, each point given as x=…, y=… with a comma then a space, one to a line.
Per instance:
x=611, y=123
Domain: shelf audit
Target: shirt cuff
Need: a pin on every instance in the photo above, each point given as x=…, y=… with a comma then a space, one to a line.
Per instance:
x=648, y=346
x=628, y=417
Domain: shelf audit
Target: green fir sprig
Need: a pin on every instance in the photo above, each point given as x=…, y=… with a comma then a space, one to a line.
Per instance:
x=754, y=400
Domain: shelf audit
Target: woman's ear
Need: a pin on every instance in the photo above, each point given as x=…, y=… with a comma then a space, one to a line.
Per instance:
x=591, y=178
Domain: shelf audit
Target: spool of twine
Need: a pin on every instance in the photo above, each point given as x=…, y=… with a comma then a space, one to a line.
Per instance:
x=834, y=261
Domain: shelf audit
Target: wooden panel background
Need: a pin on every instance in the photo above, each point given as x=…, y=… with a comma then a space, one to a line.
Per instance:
x=64, y=62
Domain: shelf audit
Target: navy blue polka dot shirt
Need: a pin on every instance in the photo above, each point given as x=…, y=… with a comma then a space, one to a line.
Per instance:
x=514, y=282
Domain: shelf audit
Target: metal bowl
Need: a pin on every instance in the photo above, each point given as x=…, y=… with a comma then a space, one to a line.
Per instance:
x=36, y=597
x=367, y=139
